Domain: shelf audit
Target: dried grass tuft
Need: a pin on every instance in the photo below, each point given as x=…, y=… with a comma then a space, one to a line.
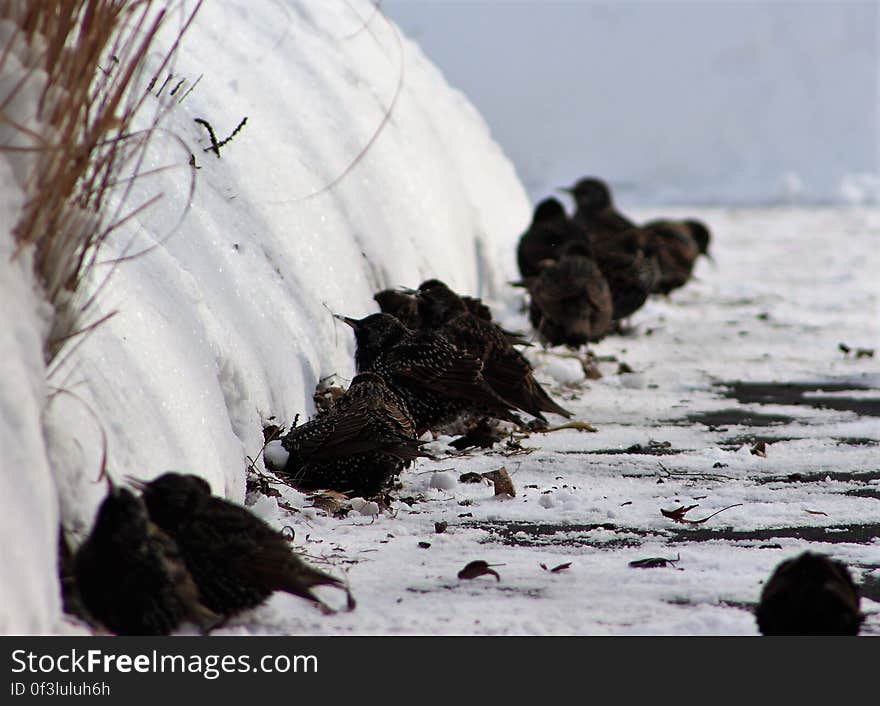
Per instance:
x=90, y=55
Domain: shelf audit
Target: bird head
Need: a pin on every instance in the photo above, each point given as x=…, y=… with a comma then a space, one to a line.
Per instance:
x=590, y=194
x=172, y=497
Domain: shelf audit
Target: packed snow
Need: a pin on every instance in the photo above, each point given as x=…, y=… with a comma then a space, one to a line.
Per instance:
x=224, y=325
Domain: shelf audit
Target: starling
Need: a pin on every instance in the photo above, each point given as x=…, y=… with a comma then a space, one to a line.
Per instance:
x=130, y=575
x=595, y=212
x=678, y=244
x=570, y=299
x=437, y=381
x=358, y=446
x=549, y=231
x=809, y=595
x=630, y=266
x=506, y=370
x=236, y=560
x=477, y=308
x=401, y=305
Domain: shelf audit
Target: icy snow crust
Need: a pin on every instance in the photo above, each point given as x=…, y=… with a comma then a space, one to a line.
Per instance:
x=29, y=599
x=225, y=324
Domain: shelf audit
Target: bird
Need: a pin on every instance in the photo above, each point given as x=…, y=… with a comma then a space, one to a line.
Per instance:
x=570, y=299
x=130, y=575
x=629, y=264
x=677, y=244
x=505, y=369
x=810, y=594
x=623, y=251
x=438, y=381
x=594, y=212
x=236, y=560
x=549, y=230
x=400, y=304
x=356, y=447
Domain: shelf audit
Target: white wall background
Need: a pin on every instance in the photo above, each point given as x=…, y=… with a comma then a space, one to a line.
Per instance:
x=702, y=101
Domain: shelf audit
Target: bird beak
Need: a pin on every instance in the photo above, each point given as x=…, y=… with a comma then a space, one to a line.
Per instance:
x=408, y=290
x=354, y=323
x=136, y=483
x=564, y=189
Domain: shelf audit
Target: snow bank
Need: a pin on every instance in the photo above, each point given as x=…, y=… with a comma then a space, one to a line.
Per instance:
x=225, y=322
x=29, y=512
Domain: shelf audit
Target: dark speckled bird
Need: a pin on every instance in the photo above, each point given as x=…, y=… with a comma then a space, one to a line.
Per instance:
x=401, y=305
x=358, y=446
x=629, y=263
x=549, y=231
x=678, y=244
x=437, y=381
x=130, y=575
x=236, y=559
x=595, y=212
x=570, y=299
x=811, y=594
x=504, y=368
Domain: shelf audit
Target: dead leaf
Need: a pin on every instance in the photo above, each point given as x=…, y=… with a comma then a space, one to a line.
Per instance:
x=502, y=481
x=816, y=512
x=654, y=562
x=440, y=527
x=330, y=501
x=760, y=449
x=424, y=545
x=556, y=569
x=864, y=353
x=678, y=514
x=477, y=568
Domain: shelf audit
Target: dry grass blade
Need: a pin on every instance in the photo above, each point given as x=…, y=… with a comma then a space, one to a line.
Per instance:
x=78, y=152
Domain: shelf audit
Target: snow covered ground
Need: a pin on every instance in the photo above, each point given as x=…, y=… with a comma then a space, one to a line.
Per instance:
x=772, y=309
x=224, y=326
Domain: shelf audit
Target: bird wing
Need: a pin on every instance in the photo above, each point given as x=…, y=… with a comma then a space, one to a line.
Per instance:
x=431, y=361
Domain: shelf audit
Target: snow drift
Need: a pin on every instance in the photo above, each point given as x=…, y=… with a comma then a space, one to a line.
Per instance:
x=223, y=321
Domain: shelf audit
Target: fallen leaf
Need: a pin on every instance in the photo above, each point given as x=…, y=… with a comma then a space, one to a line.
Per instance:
x=864, y=353
x=817, y=512
x=329, y=501
x=502, y=481
x=678, y=514
x=654, y=562
x=440, y=527
x=477, y=568
x=760, y=449
x=424, y=545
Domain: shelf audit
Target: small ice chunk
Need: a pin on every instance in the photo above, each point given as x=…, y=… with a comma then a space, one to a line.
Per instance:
x=369, y=508
x=443, y=480
x=275, y=455
x=565, y=371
